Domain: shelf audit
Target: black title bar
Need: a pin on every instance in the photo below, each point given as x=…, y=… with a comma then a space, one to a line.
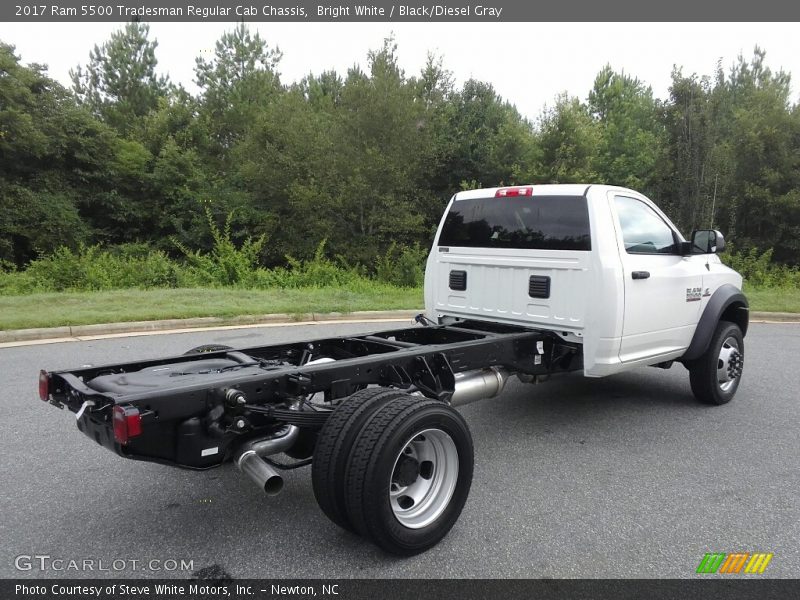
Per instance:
x=734, y=588
x=386, y=10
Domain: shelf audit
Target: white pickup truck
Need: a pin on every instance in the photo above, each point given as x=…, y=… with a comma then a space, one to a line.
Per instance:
x=598, y=265
x=524, y=281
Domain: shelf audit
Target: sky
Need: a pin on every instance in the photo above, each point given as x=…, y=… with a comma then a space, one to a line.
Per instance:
x=528, y=64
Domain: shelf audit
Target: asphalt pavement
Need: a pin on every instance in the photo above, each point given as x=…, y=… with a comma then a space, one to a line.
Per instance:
x=626, y=476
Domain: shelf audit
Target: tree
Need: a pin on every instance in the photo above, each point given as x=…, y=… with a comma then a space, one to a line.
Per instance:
x=695, y=169
x=490, y=142
x=53, y=158
x=323, y=92
x=381, y=130
x=763, y=140
x=631, y=132
x=120, y=84
x=435, y=83
x=237, y=83
x=287, y=177
x=434, y=89
x=567, y=144
x=369, y=157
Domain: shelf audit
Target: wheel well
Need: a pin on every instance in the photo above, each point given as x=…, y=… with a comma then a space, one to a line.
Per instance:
x=737, y=313
x=727, y=303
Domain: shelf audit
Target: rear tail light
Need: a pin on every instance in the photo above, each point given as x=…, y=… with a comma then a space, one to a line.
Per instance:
x=513, y=191
x=127, y=423
x=44, y=385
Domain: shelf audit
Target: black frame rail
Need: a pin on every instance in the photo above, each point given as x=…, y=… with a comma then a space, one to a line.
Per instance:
x=422, y=358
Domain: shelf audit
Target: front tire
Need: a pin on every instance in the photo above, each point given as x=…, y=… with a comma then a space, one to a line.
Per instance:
x=409, y=475
x=715, y=376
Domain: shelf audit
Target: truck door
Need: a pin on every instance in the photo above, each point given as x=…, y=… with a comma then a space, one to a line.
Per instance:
x=662, y=288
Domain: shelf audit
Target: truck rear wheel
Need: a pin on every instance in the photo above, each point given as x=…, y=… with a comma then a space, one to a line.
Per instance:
x=409, y=475
x=716, y=374
x=333, y=447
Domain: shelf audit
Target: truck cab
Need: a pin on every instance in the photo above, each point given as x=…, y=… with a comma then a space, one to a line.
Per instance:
x=595, y=264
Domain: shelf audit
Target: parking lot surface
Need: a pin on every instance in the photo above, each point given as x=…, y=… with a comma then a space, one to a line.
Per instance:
x=626, y=476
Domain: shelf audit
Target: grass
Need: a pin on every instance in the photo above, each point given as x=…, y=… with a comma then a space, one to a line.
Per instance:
x=773, y=299
x=86, y=308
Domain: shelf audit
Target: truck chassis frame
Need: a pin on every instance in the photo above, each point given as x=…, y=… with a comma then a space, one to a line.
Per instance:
x=182, y=418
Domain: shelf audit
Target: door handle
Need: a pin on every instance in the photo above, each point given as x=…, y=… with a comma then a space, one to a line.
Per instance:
x=641, y=274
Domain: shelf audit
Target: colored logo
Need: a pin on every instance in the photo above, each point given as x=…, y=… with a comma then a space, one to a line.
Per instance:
x=732, y=564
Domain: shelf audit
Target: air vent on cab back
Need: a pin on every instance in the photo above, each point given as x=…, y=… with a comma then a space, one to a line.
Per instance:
x=539, y=286
x=458, y=280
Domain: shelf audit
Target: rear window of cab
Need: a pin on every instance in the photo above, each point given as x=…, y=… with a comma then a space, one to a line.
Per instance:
x=520, y=222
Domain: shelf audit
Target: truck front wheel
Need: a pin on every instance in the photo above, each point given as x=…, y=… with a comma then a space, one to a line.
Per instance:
x=716, y=374
x=409, y=474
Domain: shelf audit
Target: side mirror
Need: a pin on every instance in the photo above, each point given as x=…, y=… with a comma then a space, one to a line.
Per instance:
x=707, y=241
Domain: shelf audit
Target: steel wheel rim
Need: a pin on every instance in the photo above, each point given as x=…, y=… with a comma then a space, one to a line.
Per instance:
x=729, y=364
x=423, y=478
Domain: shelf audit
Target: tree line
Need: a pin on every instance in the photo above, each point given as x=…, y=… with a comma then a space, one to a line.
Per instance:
x=366, y=158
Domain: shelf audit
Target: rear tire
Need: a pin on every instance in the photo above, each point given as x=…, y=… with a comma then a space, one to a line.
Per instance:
x=409, y=474
x=334, y=442
x=715, y=376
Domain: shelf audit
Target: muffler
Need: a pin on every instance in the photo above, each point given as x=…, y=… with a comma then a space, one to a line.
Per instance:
x=480, y=384
x=250, y=462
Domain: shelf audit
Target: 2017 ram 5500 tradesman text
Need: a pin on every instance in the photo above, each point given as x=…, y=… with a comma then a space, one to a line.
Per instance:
x=522, y=281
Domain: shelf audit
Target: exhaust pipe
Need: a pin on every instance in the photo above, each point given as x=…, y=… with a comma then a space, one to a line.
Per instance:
x=249, y=459
x=480, y=384
x=263, y=475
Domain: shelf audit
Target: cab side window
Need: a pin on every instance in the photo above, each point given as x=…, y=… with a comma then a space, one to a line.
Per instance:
x=643, y=231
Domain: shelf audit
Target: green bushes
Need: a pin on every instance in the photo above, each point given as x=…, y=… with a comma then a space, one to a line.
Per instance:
x=226, y=265
x=318, y=272
x=759, y=271
x=92, y=268
x=14, y=283
x=402, y=266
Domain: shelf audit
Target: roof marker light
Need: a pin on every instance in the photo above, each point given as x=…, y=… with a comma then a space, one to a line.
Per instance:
x=514, y=191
